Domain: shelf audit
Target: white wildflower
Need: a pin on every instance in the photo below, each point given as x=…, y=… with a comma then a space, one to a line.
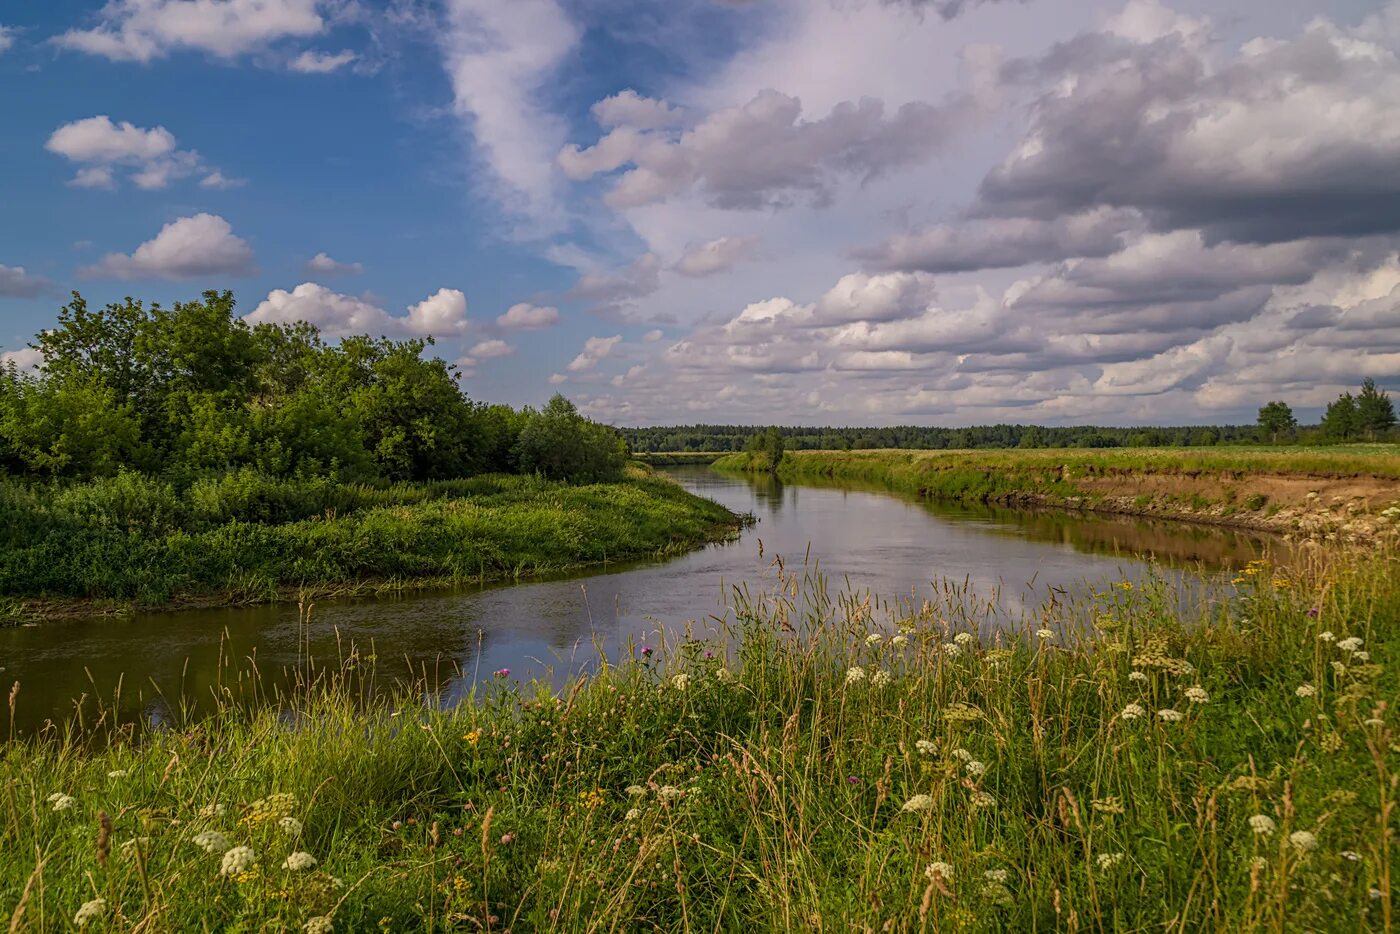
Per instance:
x=1350, y=856
x=881, y=678
x=1169, y=715
x=321, y=924
x=1349, y=644
x=899, y=641
x=290, y=826
x=998, y=894
x=118, y=773
x=1303, y=841
x=1133, y=712
x=90, y=911
x=1327, y=636
x=1107, y=861
x=636, y=791
x=1374, y=894
x=299, y=862
x=1361, y=656
x=1305, y=690
x=1137, y=676
x=855, y=675
x=939, y=870
x=980, y=799
x=633, y=813
x=918, y=803
x=1262, y=824
x=926, y=746
x=1045, y=635
x=239, y=859
x=724, y=674
x=997, y=875
x=212, y=810
x=211, y=841
x=952, y=649
x=1339, y=668
x=681, y=681
x=964, y=638
x=962, y=754
x=670, y=793
x=874, y=639
x=1197, y=695
x=975, y=768
x=62, y=802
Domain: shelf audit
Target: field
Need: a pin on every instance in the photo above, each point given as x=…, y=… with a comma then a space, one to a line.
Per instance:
x=821, y=763
x=243, y=538
x=1341, y=492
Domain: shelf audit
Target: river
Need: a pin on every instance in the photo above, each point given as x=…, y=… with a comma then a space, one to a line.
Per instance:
x=142, y=667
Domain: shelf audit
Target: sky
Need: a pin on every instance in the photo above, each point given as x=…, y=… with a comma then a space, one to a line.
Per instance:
x=851, y=212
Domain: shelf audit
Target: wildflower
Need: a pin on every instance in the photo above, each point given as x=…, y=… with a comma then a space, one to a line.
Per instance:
x=939, y=870
x=964, y=638
x=1350, y=855
x=855, y=675
x=502, y=672
x=89, y=911
x=62, y=802
x=997, y=875
x=321, y=924
x=237, y=860
x=1137, y=676
x=681, y=681
x=874, y=639
x=881, y=678
x=1339, y=669
x=998, y=893
x=1110, y=805
x=1045, y=635
x=1376, y=722
x=952, y=649
x=980, y=799
x=211, y=810
x=976, y=769
x=646, y=651
x=724, y=674
x=472, y=738
x=1313, y=612
x=670, y=793
x=852, y=779
x=507, y=838
x=1303, y=841
x=1197, y=695
x=1349, y=644
x=1262, y=824
x=1259, y=863
x=633, y=813
x=636, y=791
x=898, y=642
x=299, y=862
x=1374, y=894
x=1327, y=636
x=118, y=773
x=926, y=746
x=1305, y=690
x=1361, y=656
x=918, y=803
x=290, y=826
x=1132, y=712
x=1169, y=715
x=962, y=754
x=1107, y=861
x=211, y=841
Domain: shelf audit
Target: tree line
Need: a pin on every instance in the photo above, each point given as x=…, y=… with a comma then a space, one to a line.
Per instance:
x=191, y=390
x=1367, y=416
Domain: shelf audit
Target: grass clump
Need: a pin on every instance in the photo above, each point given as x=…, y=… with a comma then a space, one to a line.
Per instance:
x=1122, y=763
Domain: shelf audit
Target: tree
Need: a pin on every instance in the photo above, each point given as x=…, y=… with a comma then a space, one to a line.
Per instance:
x=1375, y=413
x=1339, y=422
x=1275, y=419
x=561, y=444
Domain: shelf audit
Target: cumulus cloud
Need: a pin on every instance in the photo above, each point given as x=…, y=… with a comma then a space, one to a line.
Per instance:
x=638, y=279
x=523, y=316
x=336, y=315
x=321, y=63
x=142, y=30
x=16, y=283
x=26, y=359
x=100, y=146
x=764, y=154
x=323, y=265
x=595, y=350
x=490, y=349
x=7, y=38
x=628, y=108
x=188, y=248
x=715, y=256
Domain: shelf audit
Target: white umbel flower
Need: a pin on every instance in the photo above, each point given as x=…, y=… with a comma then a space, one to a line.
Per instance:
x=1133, y=712
x=90, y=911
x=1045, y=635
x=1303, y=841
x=239, y=859
x=1349, y=644
x=1107, y=861
x=211, y=841
x=321, y=924
x=1305, y=690
x=926, y=747
x=918, y=803
x=874, y=639
x=939, y=870
x=290, y=826
x=855, y=675
x=1197, y=695
x=299, y=862
x=1262, y=824
x=881, y=679
x=681, y=681
x=1169, y=715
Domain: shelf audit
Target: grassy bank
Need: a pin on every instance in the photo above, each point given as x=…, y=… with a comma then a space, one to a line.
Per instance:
x=677, y=458
x=1341, y=492
x=246, y=538
x=830, y=764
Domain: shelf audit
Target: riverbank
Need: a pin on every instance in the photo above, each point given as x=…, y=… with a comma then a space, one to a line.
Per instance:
x=852, y=764
x=1336, y=494
x=115, y=545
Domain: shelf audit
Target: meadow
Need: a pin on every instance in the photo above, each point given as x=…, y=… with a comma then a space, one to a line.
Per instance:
x=808, y=761
x=246, y=537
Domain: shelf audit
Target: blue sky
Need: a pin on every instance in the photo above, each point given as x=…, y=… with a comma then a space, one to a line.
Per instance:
x=864, y=211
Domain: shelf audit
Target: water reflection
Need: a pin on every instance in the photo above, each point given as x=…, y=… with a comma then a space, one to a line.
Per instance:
x=153, y=665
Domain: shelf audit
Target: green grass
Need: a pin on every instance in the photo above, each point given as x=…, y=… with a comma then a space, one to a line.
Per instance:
x=132, y=539
x=752, y=781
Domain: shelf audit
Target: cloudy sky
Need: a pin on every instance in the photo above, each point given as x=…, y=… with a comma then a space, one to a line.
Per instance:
x=802, y=211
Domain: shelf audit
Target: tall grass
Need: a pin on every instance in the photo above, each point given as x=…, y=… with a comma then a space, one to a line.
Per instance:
x=132, y=538
x=818, y=762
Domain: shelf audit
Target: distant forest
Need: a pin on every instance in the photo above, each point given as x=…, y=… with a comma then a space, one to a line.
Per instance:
x=738, y=437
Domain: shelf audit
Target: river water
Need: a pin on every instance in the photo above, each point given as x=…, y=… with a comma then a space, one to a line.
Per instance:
x=142, y=667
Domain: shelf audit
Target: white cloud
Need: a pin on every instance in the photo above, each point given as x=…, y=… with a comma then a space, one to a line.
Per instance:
x=499, y=58
x=595, y=350
x=628, y=108
x=218, y=181
x=26, y=359
x=523, y=316
x=100, y=146
x=188, y=248
x=16, y=283
x=142, y=30
x=336, y=315
x=321, y=63
x=321, y=264
x=7, y=38
x=490, y=350
x=716, y=256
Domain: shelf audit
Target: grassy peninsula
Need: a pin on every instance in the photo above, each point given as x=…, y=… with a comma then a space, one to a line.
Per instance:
x=1342, y=492
x=824, y=763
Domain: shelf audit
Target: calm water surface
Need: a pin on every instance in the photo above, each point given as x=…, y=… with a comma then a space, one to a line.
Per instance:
x=880, y=542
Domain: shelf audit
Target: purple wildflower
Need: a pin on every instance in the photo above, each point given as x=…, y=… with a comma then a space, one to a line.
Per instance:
x=503, y=672
x=646, y=651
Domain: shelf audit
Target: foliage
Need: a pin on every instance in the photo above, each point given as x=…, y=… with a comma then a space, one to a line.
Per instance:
x=1275, y=420
x=560, y=443
x=869, y=765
